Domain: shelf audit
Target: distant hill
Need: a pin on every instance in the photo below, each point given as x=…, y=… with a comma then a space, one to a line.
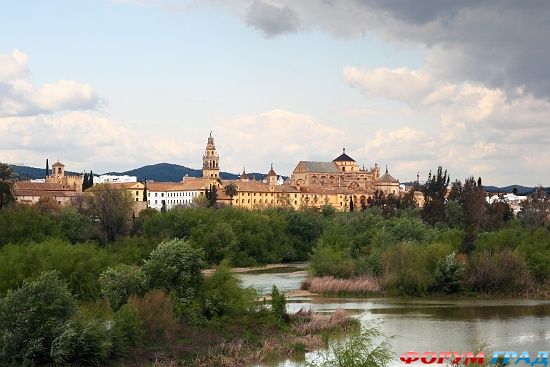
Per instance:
x=168, y=172
x=522, y=190
x=32, y=173
x=159, y=172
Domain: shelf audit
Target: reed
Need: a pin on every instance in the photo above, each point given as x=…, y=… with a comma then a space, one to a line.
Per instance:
x=359, y=286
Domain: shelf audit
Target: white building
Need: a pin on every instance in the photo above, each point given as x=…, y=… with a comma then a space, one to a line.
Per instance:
x=513, y=200
x=114, y=179
x=171, y=194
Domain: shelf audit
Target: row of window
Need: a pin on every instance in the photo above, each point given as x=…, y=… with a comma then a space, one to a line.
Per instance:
x=175, y=194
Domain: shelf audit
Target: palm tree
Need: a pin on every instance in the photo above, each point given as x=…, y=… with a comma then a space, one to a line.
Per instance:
x=230, y=190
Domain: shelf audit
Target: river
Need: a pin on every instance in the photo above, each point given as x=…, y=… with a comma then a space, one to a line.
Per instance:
x=426, y=324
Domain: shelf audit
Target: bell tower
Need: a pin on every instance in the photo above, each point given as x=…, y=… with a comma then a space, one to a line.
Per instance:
x=210, y=160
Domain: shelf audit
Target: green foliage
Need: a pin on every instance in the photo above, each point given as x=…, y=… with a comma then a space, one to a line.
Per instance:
x=222, y=295
x=405, y=270
x=126, y=331
x=32, y=317
x=7, y=178
x=175, y=266
x=22, y=223
x=118, y=283
x=434, y=191
x=448, y=273
x=84, y=340
x=362, y=349
x=278, y=305
x=74, y=226
x=328, y=260
x=81, y=265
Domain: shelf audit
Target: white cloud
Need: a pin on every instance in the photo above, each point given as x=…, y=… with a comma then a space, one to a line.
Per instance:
x=13, y=66
x=278, y=136
x=18, y=97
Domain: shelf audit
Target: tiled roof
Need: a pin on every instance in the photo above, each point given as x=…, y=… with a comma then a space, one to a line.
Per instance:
x=343, y=158
x=27, y=188
x=321, y=167
x=387, y=178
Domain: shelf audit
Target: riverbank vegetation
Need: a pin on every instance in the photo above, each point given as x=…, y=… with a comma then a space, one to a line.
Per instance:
x=79, y=287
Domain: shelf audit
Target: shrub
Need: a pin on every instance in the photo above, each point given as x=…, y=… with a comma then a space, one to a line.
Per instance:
x=126, y=330
x=503, y=271
x=156, y=314
x=405, y=271
x=80, y=264
x=448, y=273
x=222, y=294
x=359, y=286
x=327, y=260
x=117, y=284
x=278, y=305
x=31, y=317
x=359, y=350
x=22, y=223
x=175, y=265
x=84, y=341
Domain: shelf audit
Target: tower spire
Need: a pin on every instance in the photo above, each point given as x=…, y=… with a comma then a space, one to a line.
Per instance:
x=210, y=160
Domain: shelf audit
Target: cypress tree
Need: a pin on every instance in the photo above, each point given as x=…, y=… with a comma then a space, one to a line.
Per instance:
x=91, y=178
x=85, y=182
x=47, y=169
x=351, y=205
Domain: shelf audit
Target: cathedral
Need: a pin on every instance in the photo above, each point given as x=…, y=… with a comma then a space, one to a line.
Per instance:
x=312, y=184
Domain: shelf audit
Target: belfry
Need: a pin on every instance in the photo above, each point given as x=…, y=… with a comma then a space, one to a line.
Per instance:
x=210, y=160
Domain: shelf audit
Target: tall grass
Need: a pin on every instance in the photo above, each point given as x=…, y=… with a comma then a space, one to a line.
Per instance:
x=359, y=286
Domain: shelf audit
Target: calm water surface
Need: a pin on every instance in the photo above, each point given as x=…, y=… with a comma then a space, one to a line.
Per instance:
x=428, y=324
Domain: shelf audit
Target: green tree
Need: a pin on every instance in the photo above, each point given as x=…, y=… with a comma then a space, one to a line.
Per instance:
x=175, y=265
x=7, y=179
x=212, y=196
x=351, y=205
x=434, y=191
x=119, y=283
x=47, y=172
x=112, y=209
x=447, y=275
x=230, y=190
x=31, y=317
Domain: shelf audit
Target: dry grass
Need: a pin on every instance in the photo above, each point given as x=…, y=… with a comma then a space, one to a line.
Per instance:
x=305, y=336
x=339, y=320
x=360, y=286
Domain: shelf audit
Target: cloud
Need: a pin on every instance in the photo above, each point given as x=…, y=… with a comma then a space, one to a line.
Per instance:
x=18, y=97
x=278, y=136
x=13, y=66
x=272, y=20
x=481, y=130
x=499, y=43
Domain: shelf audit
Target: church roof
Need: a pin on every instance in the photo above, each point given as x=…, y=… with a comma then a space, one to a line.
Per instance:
x=320, y=167
x=344, y=157
x=271, y=173
x=58, y=164
x=387, y=178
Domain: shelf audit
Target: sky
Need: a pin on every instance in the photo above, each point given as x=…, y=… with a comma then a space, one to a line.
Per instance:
x=111, y=85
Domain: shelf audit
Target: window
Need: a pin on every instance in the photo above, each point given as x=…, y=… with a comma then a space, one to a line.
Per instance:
x=162, y=194
x=156, y=194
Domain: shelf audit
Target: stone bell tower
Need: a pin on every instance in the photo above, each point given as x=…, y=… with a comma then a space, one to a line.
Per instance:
x=210, y=160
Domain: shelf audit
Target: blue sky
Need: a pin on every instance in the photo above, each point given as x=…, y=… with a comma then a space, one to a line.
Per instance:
x=112, y=85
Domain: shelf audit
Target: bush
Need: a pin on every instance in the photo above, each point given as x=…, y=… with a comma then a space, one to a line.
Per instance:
x=117, y=284
x=80, y=264
x=31, y=317
x=330, y=261
x=222, y=294
x=175, y=265
x=405, y=272
x=448, y=275
x=278, y=305
x=126, y=331
x=23, y=223
x=84, y=341
x=500, y=272
x=156, y=314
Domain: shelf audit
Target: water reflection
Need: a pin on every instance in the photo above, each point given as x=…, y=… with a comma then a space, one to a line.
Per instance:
x=423, y=324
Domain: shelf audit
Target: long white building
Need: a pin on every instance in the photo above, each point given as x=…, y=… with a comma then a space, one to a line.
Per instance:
x=171, y=194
